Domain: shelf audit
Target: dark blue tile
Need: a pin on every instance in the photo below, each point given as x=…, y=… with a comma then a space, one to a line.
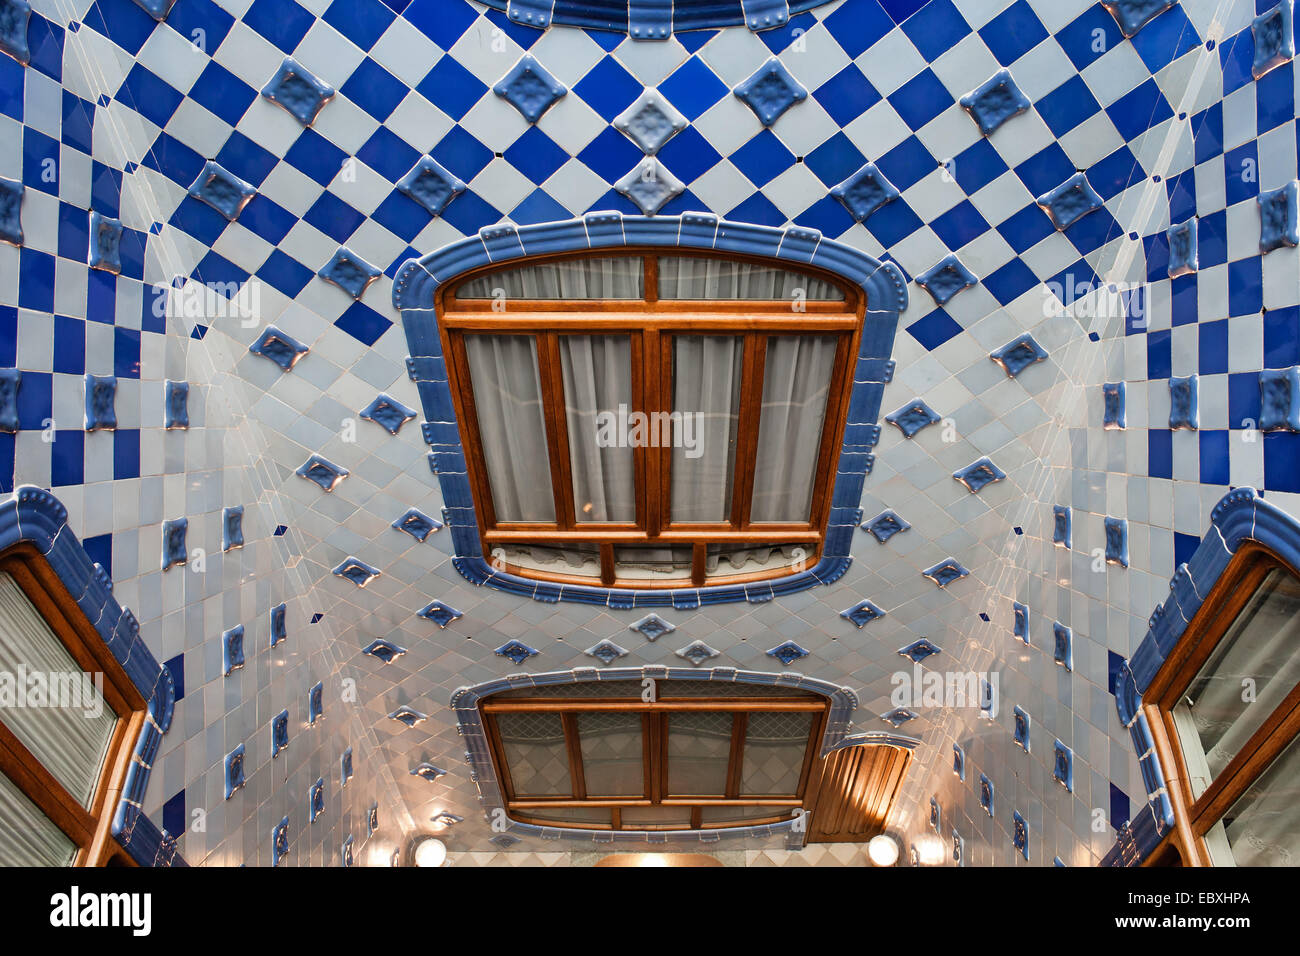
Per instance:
x=385, y=152
x=959, y=225
x=1067, y=106
x=536, y=155
x=693, y=88
x=101, y=297
x=1243, y=400
x=1115, y=173
x=1013, y=33
x=1183, y=305
x=763, y=158
x=126, y=353
x=907, y=164
x=936, y=28
x=610, y=155
x=757, y=209
x=1241, y=173
x=1207, y=133
x=1281, y=461
x=1281, y=338
x=1026, y=228
x=376, y=90
x=35, y=401
x=282, y=22
x=13, y=80
x=78, y=116
x=976, y=166
x=920, y=99
x=836, y=159
x=173, y=812
x=100, y=549
x=859, y=25
x=334, y=217
x=935, y=329
x=537, y=206
x=1212, y=239
x=893, y=222
x=1010, y=282
x=1214, y=459
x=1139, y=109
x=67, y=455
x=45, y=41
x=36, y=291
x=69, y=345
x=608, y=88
x=460, y=153
x=40, y=161
x=149, y=96
x=1213, y=347
x=1236, y=54
x=1165, y=39
x=1119, y=805
x=363, y=323
x=688, y=156
x=1080, y=39
x=246, y=159
x=401, y=215
x=222, y=93
x=1045, y=170
x=1275, y=98
x=1245, y=286
x=190, y=15
x=126, y=453
x=442, y=21
x=361, y=21
x=451, y=88
x=285, y=274
x=1159, y=356
x=174, y=160
x=266, y=219
x=1160, y=453
x=177, y=667
x=828, y=216
x=124, y=23
x=8, y=336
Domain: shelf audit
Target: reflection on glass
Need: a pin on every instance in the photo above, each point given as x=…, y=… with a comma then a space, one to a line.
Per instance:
x=1263, y=827
x=699, y=744
x=656, y=818
x=605, y=277
x=611, y=754
x=706, y=409
x=536, y=754
x=601, y=425
x=775, y=744
x=697, y=277
x=27, y=836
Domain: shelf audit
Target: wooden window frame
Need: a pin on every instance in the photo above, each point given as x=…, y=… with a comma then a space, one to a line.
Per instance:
x=1194, y=816
x=650, y=323
x=654, y=739
x=89, y=829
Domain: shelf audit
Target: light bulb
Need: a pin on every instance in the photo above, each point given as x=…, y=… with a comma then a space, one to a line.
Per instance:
x=430, y=852
x=882, y=850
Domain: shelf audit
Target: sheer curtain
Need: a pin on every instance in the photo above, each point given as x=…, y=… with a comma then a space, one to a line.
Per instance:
x=692, y=277
x=1263, y=827
x=608, y=277
x=597, y=373
x=706, y=386
x=69, y=734
x=512, y=428
x=27, y=836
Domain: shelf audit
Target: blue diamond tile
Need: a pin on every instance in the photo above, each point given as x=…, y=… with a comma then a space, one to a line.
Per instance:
x=417, y=524
x=158, y=9
x=1063, y=765
x=1113, y=414
x=173, y=542
x=697, y=652
x=234, y=771
x=279, y=623
x=787, y=652
x=356, y=571
x=1279, y=399
x=280, y=347
x=1277, y=217
x=232, y=650
x=1117, y=541
x=232, y=528
x=427, y=771
x=606, y=652
x=222, y=190
x=945, y=572
x=912, y=417
x=978, y=474
x=529, y=88
x=1182, y=248
x=315, y=703
x=105, y=243
x=515, y=651
x=1063, y=645
x=176, y=405
x=865, y=191
x=770, y=91
x=11, y=211
x=1020, y=621
x=372, y=814
x=385, y=651
x=986, y=794
x=101, y=397
x=945, y=279
x=1274, y=38
x=315, y=800
x=995, y=101
x=297, y=91
x=652, y=627
x=650, y=121
x=1062, y=525
x=1070, y=201
x=1018, y=354
x=885, y=525
x=650, y=185
x=322, y=471
x=898, y=716
x=348, y=858
x=1020, y=727
x=349, y=272
x=1183, y=403
x=919, y=650
x=862, y=613
x=279, y=733
x=432, y=186
x=388, y=413
x=1133, y=15
x=439, y=613
x=407, y=715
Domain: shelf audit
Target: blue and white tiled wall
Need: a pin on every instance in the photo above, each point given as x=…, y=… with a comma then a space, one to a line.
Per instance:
x=896, y=134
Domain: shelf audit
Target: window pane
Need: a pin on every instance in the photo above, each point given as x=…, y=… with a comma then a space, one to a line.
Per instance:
x=27, y=836
x=796, y=384
x=611, y=754
x=694, y=277
x=582, y=560
x=1263, y=646
x=569, y=816
x=605, y=277
x=698, y=747
x=775, y=744
x=64, y=720
x=536, y=754
x=728, y=559
x=717, y=815
x=598, y=407
x=650, y=563
x=512, y=428
x=1263, y=827
x=656, y=818
x=706, y=406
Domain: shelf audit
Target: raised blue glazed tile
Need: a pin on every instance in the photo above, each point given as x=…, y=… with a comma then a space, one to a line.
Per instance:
x=279, y=625
x=158, y=9
x=279, y=841
x=1020, y=727
x=912, y=417
x=11, y=380
x=1274, y=37
x=1062, y=526
x=1018, y=354
x=232, y=650
x=345, y=767
x=105, y=243
x=945, y=572
x=865, y=191
x=1183, y=251
x=349, y=272
x=1183, y=402
x=417, y=524
x=427, y=771
x=978, y=474
x=995, y=101
x=898, y=716
x=232, y=528
x=529, y=88
x=356, y=571
x=297, y=91
x=1063, y=645
x=384, y=650
x=650, y=121
x=652, y=627
x=407, y=715
x=388, y=413
x=919, y=650
x=787, y=652
x=1133, y=15
x=650, y=185
x=101, y=396
x=1070, y=201
x=958, y=762
x=173, y=542
x=1279, y=399
x=1113, y=412
x=697, y=652
x=322, y=471
x=280, y=347
x=1020, y=834
x=605, y=651
x=316, y=800
x=372, y=819
x=1278, y=218
x=946, y=278
x=315, y=703
x=11, y=211
x=432, y=186
x=14, y=17
x=444, y=819
x=770, y=91
x=1020, y=621
x=176, y=405
x=234, y=771
x=1117, y=541
x=222, y=190
x=1063, y=766
x=279, y=733
x=986, y=794
x=441, y=614
x=936, y=815
x=885, y=525
x=516, y=651
x=862, y=613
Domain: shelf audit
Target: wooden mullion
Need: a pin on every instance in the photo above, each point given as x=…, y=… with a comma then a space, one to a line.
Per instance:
x=504, y=776
x=40, y=786
x=697, y=817
x=463, y=402
x=641, y=456
x=557, y=432
x=661, y=379
x=735, y=759
x=607, y=572
x=833, y=423
x=659, y=748
x=649, y=740
x=577, y=778
x=699, y=562
x=651, y=273
x=616, y=818
x=746, y=452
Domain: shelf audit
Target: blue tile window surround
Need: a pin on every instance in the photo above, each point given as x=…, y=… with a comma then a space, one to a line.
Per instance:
x=34, y=516
x=641, y=21
x=1240, y=516
x=414, y=290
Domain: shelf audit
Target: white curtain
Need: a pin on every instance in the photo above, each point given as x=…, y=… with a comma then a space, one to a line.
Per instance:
x=68, y=732
x=796, y=383
x=1263, y=827
x=512, y=427
x=27, y=836
x=609, y=277
x=690, y=277
x=706, y=386
x=597, y=373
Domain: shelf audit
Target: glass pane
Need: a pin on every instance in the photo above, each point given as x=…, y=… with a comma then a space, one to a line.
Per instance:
x=796, y=384
x=728, y=559
x=1263, y=827
x=706, y=406
x=605, y=277
x=582, y=560
x=694, y=277
x=717, y=815
x=775, y=744
x=27, y=836
x=602, y=427
x=611, y=754
x=569, y=816
x=512, y=428
x=656, y=818
x=647, y=563
x=63, y=718
x=535, y=753
x=698, y=747
x=1260, y=650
